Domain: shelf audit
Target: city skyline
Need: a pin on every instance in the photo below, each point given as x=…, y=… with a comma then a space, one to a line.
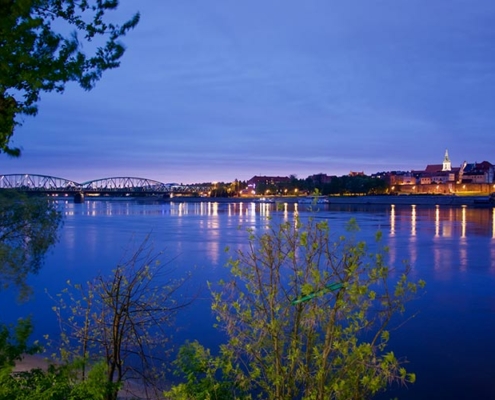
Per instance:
x=223, y=91
x=251, y=176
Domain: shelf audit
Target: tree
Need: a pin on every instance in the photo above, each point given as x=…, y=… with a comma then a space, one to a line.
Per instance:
x=28, y=228
x=36, y=58
x=308, y=318
x=122, y=319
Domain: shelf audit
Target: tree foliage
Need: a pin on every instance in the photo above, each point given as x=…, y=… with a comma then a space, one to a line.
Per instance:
x=36, y=55
x=292, y=337
x=122, y=319
x=360, y=184
x=202, y=372
x=28, y=228
x=56, y=382
x=14, y=344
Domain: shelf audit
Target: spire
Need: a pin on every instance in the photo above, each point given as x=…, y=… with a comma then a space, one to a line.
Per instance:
x=447, y=165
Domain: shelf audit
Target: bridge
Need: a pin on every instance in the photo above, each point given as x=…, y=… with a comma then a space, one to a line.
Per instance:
x=115, y=186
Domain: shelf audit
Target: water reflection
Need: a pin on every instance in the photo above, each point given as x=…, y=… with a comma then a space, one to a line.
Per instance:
x=460, y=226
x=437, y=220
x=452, y=248
x=448, y=221
x=463, y=255
x=392, y=220
x=415, y=223
x=413, y=220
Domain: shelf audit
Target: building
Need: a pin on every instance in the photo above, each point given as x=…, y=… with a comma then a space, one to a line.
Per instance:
x=477, y=172
x=438, y=173
x=356, y=173
x=320, y=179
x=447, y=165
x=267, y=180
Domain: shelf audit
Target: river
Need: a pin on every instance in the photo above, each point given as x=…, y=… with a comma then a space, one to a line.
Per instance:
x=449, y=343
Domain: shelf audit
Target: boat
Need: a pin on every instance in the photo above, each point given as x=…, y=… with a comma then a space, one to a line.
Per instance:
x=486, y=202
x=313, y=200
x=265, y=200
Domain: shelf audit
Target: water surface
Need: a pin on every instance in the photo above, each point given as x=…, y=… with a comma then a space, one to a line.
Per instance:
x=449, y=343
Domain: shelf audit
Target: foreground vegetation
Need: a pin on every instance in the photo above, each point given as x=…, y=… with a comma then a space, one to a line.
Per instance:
x=306, y=317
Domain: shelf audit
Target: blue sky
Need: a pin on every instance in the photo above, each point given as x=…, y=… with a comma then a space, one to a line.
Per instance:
x=224, y=90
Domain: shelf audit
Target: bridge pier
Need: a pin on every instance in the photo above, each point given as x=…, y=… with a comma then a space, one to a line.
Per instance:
x=79, y=198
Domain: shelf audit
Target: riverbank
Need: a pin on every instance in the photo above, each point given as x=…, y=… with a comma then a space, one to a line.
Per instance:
x=427, y=200
x=431, y=200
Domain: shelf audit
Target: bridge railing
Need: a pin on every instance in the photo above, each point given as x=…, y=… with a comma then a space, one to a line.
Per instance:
x=44, y=183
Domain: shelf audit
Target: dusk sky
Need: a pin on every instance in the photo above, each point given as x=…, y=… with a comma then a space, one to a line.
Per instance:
x=222, y=90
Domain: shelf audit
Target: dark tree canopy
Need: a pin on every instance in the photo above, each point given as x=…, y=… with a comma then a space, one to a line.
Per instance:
x=36, y=58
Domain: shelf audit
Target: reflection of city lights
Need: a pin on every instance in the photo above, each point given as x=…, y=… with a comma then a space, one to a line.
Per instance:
x=437, y=258
x=392, y=220
x=463, y=256
x=463, y=222
x=413, y=247
x=437, y=220
x=213, y=209
x=463, y=242
x=448, y=253
x=265, y=209
x=413, y=220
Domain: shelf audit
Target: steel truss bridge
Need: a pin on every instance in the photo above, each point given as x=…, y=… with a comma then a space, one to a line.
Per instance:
x=118, y=186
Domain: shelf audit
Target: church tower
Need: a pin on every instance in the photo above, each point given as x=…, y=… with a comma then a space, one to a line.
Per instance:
x=447, y=165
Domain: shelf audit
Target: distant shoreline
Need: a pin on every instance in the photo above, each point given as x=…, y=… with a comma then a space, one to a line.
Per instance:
x=427, y=200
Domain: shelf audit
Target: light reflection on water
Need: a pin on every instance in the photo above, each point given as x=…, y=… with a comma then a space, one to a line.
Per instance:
x=453, y=249
x=449, y=231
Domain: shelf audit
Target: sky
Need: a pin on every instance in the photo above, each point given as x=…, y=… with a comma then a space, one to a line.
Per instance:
x=218, y=90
